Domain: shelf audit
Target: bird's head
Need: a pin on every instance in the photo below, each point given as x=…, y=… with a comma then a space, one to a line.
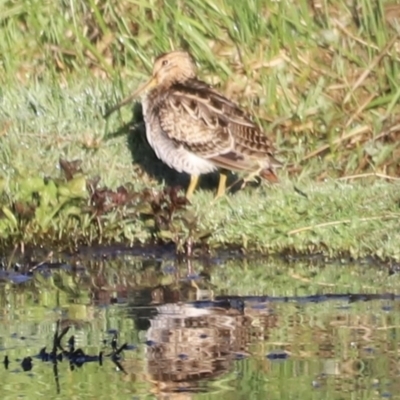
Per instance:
x=168, y=69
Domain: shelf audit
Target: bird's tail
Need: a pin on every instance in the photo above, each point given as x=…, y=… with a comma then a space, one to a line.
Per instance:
x=269, y=174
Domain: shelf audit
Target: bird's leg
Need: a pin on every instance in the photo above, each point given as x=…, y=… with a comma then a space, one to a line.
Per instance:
x=223, y=176
x=251, y=176
x=194, y=179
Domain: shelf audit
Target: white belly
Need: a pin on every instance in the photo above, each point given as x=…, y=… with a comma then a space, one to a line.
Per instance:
x=175, y=156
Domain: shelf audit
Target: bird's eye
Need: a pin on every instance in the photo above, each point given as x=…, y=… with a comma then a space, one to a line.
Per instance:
x=164, y=63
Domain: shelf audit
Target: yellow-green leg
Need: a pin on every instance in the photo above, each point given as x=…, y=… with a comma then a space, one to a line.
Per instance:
x=194, y=179
x=250, y=177
x=223, y=176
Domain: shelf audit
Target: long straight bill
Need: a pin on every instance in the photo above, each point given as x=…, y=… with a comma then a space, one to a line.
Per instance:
x=148, y=85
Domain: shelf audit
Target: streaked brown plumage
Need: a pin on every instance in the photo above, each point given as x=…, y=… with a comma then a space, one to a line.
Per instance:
x=194, y=129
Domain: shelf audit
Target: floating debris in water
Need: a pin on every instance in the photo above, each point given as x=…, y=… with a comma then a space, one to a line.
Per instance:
x=75, y=356
x=169, y=269
x=26, y=364
x=130, y=347
x=240, y=356
x=277, y=355
x=369, y=350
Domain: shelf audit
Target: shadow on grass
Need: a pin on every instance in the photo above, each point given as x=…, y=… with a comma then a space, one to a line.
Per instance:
x=144, y=155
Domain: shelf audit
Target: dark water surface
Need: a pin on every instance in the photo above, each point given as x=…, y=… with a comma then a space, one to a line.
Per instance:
x=221, y=328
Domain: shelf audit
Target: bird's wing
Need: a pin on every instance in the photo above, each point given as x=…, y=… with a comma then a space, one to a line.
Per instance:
x=211, y=126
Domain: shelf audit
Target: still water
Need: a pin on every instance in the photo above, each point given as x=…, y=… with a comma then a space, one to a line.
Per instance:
x=216, y=328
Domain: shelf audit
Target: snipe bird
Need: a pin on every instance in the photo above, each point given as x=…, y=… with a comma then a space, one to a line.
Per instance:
x=194, y=129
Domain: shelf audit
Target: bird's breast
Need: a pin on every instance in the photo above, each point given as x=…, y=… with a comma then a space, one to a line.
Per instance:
x=175, y=155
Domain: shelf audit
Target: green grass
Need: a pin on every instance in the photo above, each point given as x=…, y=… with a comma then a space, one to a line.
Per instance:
x=322, y=81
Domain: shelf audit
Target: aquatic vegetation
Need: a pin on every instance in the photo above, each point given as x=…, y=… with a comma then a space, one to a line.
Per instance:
x=75, y=210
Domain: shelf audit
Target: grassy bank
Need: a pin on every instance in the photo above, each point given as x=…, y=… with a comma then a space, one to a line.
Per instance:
x=321, y=78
